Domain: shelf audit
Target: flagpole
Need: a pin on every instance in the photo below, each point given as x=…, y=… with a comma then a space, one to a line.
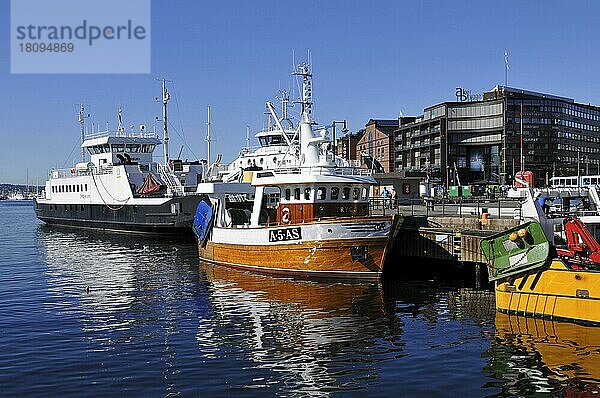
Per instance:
x=506, y=68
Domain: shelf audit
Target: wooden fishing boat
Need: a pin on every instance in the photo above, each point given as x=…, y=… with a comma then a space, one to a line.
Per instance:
x=308, y=221
x=535, y=278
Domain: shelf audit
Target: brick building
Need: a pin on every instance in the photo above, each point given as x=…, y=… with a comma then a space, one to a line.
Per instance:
x=378, y=143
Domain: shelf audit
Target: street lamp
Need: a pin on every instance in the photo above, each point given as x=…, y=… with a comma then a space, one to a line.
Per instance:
x=344, y=130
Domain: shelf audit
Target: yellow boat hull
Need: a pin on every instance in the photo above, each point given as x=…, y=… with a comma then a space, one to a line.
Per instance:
x=556, y=293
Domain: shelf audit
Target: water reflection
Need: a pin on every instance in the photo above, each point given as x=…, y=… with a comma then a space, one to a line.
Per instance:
x=535, y=355
x=104, y=271
x=127, y=314
x=315, y=336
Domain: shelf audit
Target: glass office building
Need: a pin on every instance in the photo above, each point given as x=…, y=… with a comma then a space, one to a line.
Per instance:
x=480, y=141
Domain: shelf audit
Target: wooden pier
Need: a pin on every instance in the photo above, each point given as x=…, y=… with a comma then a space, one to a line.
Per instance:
x=446, y=238
x=443, y=248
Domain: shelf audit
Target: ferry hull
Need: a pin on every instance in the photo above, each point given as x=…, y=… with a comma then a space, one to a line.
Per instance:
x=131, y=219
x=313, y=259
x=556, y=293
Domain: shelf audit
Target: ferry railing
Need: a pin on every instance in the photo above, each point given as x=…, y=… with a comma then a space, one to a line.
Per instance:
x=115, y=133
x=73, y=172
x=323, y=170
x=172, y=181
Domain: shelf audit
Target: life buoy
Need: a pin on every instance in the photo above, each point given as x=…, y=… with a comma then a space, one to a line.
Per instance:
x=285, y=215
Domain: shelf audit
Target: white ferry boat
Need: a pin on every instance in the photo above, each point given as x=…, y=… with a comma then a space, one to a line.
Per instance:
x=121, y=188
x=279, y=146
x=309, y=220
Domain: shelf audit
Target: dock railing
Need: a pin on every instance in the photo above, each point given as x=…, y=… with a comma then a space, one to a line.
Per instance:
x=471, y=207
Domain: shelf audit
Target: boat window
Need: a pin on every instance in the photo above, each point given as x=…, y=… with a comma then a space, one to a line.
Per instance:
x=105, y=148
x=297, y=193
x=118, y=147
x=77, y=186
x=365, y=193
x=270, y=140
x=307, y=193
x=288, y=193
x=321, y=193
x=335, y=193
x=346, y=193
x=275, y=160
x=261, y=161
x=586, y=181
x=594, y=181
x=355, y=194
x=85, y=187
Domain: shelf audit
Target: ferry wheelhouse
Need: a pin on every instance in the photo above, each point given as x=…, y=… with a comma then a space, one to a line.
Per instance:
x=309, y=221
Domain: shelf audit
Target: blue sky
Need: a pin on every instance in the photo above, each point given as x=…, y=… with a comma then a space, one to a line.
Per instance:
x=370, y=59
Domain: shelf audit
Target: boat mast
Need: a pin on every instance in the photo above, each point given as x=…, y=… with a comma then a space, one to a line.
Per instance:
x=165, y=99
x=82, y=117
x=308, y=146
x=304, y=71
x=208, y=139
x=248, y=137
x=120, y=128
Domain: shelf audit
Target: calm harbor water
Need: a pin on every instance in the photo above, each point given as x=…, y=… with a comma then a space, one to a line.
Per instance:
x=92, y=314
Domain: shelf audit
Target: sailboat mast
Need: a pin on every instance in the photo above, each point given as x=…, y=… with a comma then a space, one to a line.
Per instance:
x=165, y=100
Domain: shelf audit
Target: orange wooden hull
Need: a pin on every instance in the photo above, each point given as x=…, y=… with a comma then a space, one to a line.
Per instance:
x=324, y=259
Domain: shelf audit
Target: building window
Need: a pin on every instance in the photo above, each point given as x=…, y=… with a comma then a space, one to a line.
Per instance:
x=297, y=193
x=288, y=193
x=307, y=193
